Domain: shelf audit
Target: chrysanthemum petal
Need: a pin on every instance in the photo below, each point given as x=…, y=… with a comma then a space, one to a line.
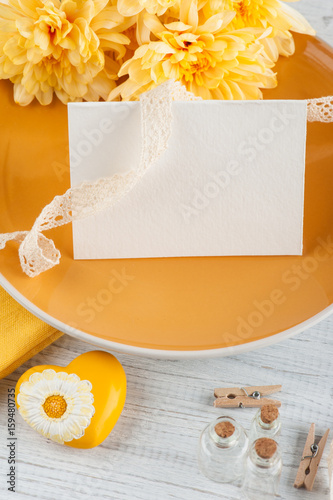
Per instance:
x=48, y=47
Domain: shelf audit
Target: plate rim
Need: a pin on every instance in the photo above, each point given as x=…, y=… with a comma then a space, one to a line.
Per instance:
x=169, y=354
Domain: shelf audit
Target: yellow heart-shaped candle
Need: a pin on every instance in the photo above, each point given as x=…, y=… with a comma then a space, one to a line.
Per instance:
x=77, y=405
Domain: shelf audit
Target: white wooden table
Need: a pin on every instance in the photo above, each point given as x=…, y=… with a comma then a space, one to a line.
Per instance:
x=151, y=453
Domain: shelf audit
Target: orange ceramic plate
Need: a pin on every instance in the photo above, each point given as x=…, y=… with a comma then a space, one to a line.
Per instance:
x=169, y=307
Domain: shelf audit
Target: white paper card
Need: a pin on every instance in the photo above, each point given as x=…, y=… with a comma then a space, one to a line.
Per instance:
x=230, y=183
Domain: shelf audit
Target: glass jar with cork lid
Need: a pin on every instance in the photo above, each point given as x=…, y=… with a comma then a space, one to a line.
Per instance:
x=222, y=451
x=263, y=470
x=266, y=423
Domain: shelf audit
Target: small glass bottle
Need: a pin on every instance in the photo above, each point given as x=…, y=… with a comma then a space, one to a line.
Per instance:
x=263, y=470
x=266, y=423
x=222, y=450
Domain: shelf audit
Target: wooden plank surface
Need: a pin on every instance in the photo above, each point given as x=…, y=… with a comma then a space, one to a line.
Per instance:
x=151, y=453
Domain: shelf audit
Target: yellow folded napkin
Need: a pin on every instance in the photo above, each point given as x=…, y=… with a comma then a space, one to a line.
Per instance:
x=22, y=335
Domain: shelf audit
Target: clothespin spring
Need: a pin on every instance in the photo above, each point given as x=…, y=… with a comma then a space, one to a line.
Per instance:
x=314, y=450
x=254, y=395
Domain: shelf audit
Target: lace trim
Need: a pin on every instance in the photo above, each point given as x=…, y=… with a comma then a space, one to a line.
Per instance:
x=320, y=110
x=38, y=253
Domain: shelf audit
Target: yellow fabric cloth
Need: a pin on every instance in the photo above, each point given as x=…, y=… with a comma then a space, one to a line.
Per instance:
x=22, y=335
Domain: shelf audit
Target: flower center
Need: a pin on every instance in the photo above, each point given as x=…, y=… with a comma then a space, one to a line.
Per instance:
x=248, y=10
x=242, y=9
x=201, y=65
x=55, y=406
x=193, y=70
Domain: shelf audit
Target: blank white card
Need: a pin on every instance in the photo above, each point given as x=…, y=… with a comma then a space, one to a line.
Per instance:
x=230, y=183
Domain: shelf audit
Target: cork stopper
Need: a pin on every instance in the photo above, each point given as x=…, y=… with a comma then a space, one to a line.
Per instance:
x=269, y=413
x=224, y=429
x=265, y=447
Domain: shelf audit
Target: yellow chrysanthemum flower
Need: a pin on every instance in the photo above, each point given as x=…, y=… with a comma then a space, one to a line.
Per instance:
x=212, y=61
x=51, y=46
x=264, y=14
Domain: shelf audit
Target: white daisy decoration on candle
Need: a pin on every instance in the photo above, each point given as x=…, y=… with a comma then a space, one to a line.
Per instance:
x=58, y=405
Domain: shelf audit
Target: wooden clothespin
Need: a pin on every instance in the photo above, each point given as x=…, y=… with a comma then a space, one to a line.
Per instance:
x=246, y=397
x=312, y=454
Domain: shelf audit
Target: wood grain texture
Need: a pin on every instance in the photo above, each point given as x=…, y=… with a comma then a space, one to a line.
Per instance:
x=151, y=453
x=240, y=401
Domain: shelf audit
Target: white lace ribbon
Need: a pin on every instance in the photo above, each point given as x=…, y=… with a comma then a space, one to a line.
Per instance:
x=38, y=253
x=320, y=110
